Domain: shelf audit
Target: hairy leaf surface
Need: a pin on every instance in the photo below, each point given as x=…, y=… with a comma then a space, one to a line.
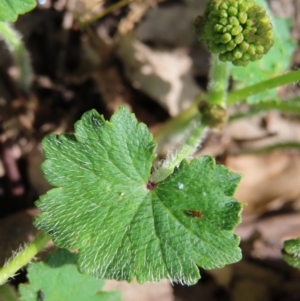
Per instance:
x=125, y=226
x=291, y=252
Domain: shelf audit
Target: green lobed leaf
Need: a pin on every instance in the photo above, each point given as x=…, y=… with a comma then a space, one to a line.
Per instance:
x=58, y=279
x=10, y=9
x=291, y=252
x=125, y=226
x=274, y=63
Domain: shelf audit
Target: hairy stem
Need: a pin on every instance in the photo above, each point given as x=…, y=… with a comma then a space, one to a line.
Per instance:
x=177, y=124
x=23, y=257
x=239, y=95
x=187, y=149
x=283, y=106
x=286, y=106
x=218, y=81
x=270, y=148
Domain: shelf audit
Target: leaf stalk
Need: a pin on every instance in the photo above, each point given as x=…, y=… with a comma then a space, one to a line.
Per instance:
x=23, y=257
x=187, y=149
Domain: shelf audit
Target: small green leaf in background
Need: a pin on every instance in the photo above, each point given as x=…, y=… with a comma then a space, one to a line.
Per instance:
x=10, y=9
x=125, y=226
x=291, y=252
x=274, y=63
x=58, y=279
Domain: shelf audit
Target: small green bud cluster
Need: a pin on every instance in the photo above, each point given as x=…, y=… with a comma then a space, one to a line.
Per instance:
x=238, y=30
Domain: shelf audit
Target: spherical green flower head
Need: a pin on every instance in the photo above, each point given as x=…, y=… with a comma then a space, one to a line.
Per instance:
x=239, y=30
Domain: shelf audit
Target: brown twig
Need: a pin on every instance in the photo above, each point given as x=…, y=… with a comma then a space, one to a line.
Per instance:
x=11, y=169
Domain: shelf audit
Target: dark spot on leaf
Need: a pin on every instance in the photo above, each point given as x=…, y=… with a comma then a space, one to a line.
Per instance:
x=150, y=185
x=40, y=296
x=194, y=213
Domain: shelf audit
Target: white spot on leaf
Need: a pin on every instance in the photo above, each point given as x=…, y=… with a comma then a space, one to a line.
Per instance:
x=180, y=185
